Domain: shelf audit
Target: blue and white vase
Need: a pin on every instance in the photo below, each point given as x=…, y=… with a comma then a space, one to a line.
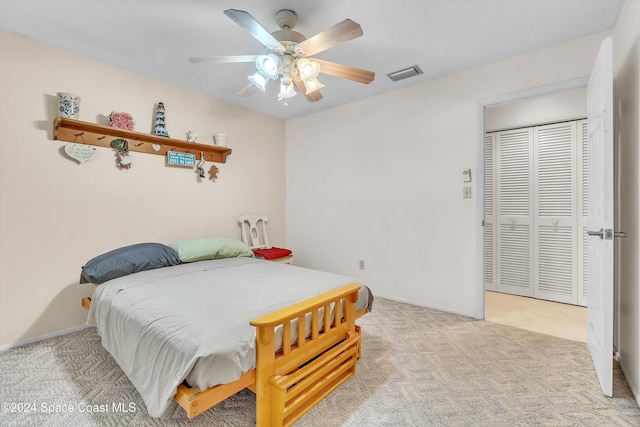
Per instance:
x=68, y=105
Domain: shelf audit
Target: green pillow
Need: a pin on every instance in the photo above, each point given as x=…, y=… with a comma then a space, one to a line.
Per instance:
x=190, y=250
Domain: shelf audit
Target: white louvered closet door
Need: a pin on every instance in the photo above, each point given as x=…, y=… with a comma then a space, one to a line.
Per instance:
x=555, y=223
x=583, y=206
x=514, y=164
x=489, y=215
x=536, y=212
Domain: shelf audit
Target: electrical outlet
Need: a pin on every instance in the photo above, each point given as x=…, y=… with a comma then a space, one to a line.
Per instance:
x=466, y=192
x=361, y=264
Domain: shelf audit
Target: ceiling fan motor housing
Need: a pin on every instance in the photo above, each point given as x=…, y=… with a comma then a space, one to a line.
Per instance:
x=286, y=20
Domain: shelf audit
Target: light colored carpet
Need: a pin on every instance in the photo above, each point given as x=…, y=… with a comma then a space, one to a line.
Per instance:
x=420, y=367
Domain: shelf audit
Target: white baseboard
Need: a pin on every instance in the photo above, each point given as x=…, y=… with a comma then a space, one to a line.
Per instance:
x=632, y=386
x=434, y=307
x=9, y=346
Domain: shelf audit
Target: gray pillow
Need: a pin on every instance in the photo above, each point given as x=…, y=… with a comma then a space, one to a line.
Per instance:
x=128, y=260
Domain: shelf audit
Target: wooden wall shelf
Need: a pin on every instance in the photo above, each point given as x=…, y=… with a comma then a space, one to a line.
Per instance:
x=93, y=134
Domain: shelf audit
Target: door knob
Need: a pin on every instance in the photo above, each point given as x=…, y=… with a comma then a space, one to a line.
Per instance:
x=596, y=233
x=607, y=234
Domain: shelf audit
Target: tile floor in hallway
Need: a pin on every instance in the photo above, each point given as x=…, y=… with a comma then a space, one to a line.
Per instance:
x=547, y=317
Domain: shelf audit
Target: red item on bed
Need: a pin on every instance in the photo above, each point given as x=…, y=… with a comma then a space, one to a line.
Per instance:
x=271, y=253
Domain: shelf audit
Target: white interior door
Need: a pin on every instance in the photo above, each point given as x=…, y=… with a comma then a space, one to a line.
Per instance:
x=600, y=216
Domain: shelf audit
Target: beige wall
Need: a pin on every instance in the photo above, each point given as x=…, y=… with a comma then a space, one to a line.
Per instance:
x=55, y=214
x=626, y=87
x=538, y=110
x=388, y=188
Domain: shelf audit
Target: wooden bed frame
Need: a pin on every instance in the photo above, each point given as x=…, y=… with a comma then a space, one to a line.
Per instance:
x=289, y=382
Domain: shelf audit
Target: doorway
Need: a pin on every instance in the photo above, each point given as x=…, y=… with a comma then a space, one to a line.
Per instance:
x=537, y=106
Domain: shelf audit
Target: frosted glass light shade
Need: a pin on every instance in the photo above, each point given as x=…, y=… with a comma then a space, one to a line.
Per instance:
x=312, y=85
x=259, y=80
x=286, y=91
x=308, y=69
x=268, y=65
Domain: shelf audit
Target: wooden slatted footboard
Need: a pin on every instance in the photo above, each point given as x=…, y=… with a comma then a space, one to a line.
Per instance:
x=291, y=381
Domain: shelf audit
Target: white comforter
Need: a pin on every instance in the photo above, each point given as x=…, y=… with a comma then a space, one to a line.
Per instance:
x=191, y=321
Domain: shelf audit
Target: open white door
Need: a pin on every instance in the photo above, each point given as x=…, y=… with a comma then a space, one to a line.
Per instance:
x=600, y=216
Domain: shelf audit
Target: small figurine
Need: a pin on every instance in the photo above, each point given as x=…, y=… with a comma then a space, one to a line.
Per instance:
x=199, y=167
x=159, y=128
x=213, y=173
x=191, y=136
x=124, y=160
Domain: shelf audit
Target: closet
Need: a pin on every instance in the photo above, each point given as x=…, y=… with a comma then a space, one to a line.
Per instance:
x=535, y=211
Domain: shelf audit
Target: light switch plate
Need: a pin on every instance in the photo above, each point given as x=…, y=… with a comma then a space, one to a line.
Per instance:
x=466, y=192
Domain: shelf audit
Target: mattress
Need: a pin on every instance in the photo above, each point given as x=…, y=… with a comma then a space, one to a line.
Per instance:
x=190, y=322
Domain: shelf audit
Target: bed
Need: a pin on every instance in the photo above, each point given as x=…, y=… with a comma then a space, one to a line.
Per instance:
x=200, y=330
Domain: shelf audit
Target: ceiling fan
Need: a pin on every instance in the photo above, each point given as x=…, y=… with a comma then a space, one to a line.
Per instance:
x=289, y=55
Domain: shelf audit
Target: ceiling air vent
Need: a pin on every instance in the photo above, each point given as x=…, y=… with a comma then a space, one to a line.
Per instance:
x=405, y=73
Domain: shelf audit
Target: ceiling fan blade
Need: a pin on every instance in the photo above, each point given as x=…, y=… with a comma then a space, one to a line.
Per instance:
x=339, y=33
x=248, y=90
x=227, y=59
x=345, y=71
x=249, y=24
x=313, y=96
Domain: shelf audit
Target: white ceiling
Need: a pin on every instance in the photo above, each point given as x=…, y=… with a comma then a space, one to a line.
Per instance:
x=156, y=38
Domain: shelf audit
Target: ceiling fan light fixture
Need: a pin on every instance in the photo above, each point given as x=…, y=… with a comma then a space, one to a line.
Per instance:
x=286, y=91
x=307, y=69
x=268, y=65
x=312, y=85
x=289, y=55
x=259, y=80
